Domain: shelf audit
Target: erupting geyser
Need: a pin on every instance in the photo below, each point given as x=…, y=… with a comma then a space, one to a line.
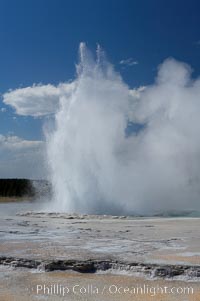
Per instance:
x=116, y=150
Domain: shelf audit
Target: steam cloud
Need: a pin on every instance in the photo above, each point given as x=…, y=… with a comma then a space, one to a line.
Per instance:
x=116, y=150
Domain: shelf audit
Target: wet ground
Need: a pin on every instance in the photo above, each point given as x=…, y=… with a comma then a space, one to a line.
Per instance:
x=22, y=285
x=148, y=248
x=50, y=235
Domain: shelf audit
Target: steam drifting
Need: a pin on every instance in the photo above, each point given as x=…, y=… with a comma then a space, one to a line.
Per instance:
x=116, y=150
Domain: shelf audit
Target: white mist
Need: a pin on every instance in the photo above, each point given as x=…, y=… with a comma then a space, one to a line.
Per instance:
x=96, y=168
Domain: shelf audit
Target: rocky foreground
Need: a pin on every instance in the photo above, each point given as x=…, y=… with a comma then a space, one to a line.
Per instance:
x=158, y=247
x=59, y=244
x=93, y=266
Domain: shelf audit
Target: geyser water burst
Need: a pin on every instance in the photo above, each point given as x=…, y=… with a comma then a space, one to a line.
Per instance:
x=96, y=167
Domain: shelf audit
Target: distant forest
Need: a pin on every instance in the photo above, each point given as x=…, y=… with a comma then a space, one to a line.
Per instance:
x=16, y=188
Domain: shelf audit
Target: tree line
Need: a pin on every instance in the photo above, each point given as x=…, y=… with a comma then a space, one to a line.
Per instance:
x=16, y=188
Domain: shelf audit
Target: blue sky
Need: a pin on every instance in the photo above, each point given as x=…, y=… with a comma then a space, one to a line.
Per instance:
x=40, y=39
x=39, y=42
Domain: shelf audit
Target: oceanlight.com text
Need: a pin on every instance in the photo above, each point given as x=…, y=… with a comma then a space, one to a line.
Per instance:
x=112, y=289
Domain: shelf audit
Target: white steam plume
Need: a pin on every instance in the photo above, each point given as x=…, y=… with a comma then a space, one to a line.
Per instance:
x=99, y=165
